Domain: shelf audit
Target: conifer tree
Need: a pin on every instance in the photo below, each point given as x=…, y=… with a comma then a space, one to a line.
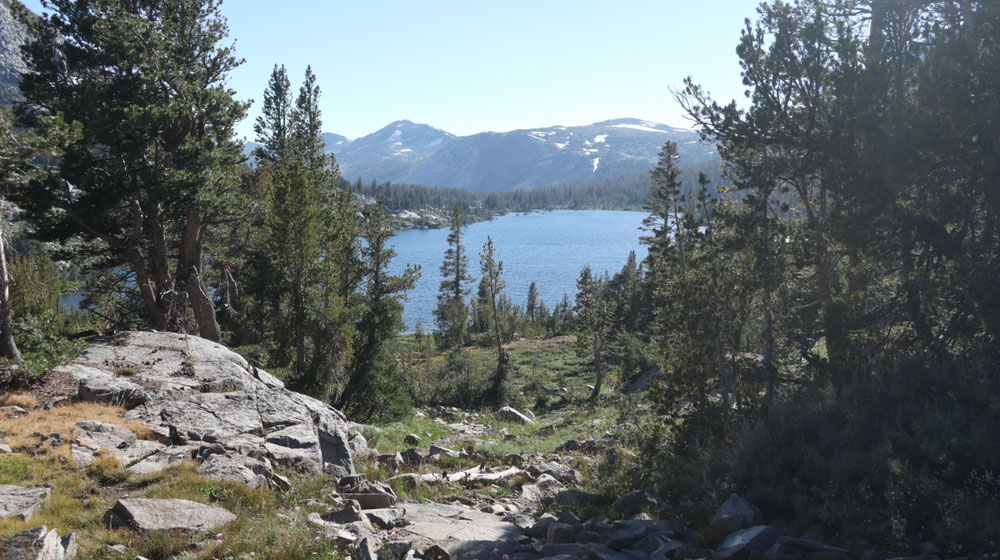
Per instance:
x=144, y=85
x=492, y=271
x=272, y=127
x=451, y=312
x=531, y=306
x=594, y=316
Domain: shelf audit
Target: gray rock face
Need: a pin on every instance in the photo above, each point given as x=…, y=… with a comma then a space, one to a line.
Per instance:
x=560, y=533
x=508, y=414
x=195, y=392
x=22, y=501
x=39, y=543
x=144, y=514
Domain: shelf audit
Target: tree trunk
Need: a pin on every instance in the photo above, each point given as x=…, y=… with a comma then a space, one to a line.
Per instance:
x=8, y=349
x=501, y=373
x=598, y=369
x=151, y=295
x=190, y=257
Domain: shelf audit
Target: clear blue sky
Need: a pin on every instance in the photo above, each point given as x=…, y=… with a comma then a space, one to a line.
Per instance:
x=472, y=66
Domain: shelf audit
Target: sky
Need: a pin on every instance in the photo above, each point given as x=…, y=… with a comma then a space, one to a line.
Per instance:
x=468, y=66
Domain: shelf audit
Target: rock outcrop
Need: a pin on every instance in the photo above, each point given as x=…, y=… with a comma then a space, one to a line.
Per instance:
x=202, y=400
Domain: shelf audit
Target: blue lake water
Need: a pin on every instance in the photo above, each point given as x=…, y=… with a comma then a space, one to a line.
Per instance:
x=549, y=248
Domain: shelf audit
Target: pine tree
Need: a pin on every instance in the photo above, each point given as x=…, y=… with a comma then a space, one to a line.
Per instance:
x=381, y=317
x=492, y=271
x=451, y=312
x=531, y=306
x=144, y=86
x=594, y=317
x=272, y=126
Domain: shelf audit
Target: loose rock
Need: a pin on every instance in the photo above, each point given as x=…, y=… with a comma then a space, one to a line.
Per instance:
x=145, y=514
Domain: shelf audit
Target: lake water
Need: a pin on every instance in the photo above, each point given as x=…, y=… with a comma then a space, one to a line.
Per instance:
x=549, y=248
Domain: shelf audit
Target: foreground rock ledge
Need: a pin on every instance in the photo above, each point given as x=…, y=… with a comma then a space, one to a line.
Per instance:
x=195, y=393
x=144, y=514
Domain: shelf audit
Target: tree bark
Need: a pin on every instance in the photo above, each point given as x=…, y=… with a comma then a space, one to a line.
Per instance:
x=8, y=348
x=190, y=257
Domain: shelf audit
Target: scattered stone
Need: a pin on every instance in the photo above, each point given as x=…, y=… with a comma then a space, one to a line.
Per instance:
x=145, y=514
x=541, y=527
x=561, y=473
x=569, y=518
x=571, y=498
x=394, y=550
x=734, y=514
x=4, y=448
x=22, y=501
x=13, y=410
x=350, y=514
x=386, y=518
x=39, y=543
x=560, y=533
x=508, y=414
x=635, y=502
x=689, y=553
x=411, y=439
x=435, y=552
x=745, y=543
x=625, y=538
x=371, y=500
x=809, y=545
x=391, y=460
x=412, y=457
x=668, y=548
x=438, y=450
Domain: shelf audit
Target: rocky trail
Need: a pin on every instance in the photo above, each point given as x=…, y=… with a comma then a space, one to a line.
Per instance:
x=450, y=492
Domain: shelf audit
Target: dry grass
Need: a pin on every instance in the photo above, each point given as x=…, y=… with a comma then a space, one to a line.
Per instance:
x=23, y=400
x=18, y=431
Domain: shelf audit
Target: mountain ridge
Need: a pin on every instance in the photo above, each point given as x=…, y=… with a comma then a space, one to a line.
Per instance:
x=415, y=153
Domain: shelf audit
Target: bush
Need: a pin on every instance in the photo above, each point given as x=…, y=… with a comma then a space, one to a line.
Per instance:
x=900, y=458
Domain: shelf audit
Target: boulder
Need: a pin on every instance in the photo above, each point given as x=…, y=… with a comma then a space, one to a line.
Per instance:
x=734, y=514
x=560, y=533
x=747, y=543
x=350, y=514
x=411, y=439
x=691, y=553
x=561, y=473
x=39, y=543
x=571, y=498
x=508, y=414
x=438, y=450
x=625, y=538
x=635, y=502
x=541, y=527
x=386, y=519
x=146, y=514
x=22, y=501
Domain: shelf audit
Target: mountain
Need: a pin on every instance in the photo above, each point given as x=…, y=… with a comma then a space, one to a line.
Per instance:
x=407, y=152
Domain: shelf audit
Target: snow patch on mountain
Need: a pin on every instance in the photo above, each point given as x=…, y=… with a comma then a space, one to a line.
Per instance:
x=641, y=127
